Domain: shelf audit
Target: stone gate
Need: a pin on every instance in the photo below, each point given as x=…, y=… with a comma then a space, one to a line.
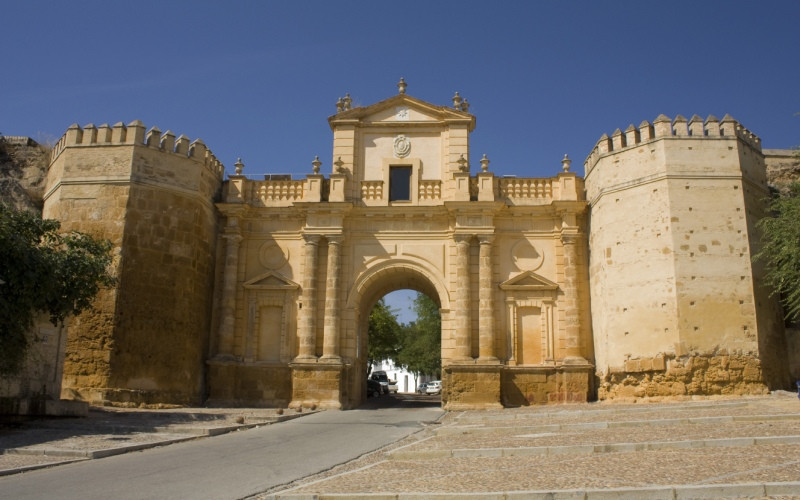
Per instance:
x=256, y=292
x=503, y=257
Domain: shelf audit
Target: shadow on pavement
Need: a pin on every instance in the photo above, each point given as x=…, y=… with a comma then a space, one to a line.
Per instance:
x=402, y=400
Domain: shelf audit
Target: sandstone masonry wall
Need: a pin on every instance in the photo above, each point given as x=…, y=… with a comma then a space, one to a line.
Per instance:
x=152, y=196
x=673, y=207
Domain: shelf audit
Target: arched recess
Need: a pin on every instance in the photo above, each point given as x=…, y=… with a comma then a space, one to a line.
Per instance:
x=397, y=274
x=373, y=283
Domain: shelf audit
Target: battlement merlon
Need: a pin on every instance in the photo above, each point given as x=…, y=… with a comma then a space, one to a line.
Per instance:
x=135, y=134
x=664, y=127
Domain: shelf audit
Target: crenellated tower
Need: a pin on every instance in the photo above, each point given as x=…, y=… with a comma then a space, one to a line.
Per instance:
x=152, y=195
x=676, y=304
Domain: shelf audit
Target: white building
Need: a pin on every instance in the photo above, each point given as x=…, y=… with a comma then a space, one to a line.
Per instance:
x=406, y=380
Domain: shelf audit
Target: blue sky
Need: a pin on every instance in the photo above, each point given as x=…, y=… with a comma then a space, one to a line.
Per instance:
x=258, y=80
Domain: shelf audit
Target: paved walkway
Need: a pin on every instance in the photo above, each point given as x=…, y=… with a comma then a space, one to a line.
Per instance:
x=718, y=448
x=733, y=448
x=36, y=443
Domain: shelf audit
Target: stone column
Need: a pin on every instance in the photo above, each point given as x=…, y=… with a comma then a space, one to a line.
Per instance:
x=572, y=313
x=486, y=333
x=462, y=324
x=228, y=320
x=307, y=320
x=330, y=347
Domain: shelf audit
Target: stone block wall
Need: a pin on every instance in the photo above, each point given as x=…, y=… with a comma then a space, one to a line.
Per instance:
x=524, y=386
x=684, y=376
x=152, y=197
x=673, y=211
x=471, y=387
x=249, y=386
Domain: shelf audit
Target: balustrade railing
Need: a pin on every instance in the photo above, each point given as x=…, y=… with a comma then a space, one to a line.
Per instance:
x=270, y=192
x=430, y=190
x=519, y=189
x=371, y=190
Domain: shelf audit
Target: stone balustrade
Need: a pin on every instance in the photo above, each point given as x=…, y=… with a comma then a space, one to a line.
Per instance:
x=371, y=191
x=430, y=190
x=277, y=192
x=518, y=190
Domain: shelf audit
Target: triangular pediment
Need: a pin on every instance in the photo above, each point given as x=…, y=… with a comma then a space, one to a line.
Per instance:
x=271, y=281
x=389, y=111
x=529, y=280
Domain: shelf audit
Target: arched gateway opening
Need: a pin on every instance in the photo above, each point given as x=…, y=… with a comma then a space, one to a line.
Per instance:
x=371, y=286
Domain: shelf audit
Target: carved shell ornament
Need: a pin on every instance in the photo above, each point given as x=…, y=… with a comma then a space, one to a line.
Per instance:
x=402, y=146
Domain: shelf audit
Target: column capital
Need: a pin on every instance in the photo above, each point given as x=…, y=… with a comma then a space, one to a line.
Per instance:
x=334, y=239
x=463, y=237
x=486, y=239
x=570, y=238
x=311, y=239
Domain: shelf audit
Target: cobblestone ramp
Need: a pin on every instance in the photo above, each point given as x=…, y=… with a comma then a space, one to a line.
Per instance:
x=744, y=448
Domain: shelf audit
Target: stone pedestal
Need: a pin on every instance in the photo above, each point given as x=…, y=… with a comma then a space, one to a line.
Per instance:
x=532, y=385
x=234, y=383
x=471, y=387
x=318, y=385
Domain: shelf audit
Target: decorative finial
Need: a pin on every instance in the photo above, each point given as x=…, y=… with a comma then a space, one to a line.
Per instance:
x=339, y=105
x=484, y=163
x=462, y=164
x=347, y=101
x=401, y=85
x=339, y=165
x=565, y=163
x=238, y=166
x=457, y=101
x=465, y=106
x=315, y=164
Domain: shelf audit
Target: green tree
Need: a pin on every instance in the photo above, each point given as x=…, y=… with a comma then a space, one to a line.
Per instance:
x=43, y=271
x=421, y=349
x=780, y=252
x=384, y=333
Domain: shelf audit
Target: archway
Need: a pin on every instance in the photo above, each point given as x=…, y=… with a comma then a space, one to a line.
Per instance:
x=374, y=283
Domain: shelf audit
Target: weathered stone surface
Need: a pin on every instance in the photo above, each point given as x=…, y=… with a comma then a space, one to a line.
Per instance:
x=23, y=164
x=249, y=386
x=688, y=376
x=258, y=291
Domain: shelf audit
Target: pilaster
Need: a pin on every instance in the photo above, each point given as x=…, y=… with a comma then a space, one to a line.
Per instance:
x=332, y=320
x=307, y=321
x=486, y=320
x=572, y=342
x=462, y=333
x=228, y=321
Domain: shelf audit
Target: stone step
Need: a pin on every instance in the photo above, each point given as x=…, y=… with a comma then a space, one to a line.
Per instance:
x=583, y=449
x=725, y=419
x=673, y=492
x=617, y=410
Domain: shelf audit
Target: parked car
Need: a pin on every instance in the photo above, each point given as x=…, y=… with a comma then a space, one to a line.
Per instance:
x=386, y=384
x=422, y=388
x=434, y=387
x=373, y=388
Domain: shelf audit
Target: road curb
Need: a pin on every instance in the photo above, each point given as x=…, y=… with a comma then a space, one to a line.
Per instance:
x=728, y=419
x=672, y=492
x=592, y=448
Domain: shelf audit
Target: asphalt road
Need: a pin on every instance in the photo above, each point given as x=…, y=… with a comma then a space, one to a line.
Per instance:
x=231, y=466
